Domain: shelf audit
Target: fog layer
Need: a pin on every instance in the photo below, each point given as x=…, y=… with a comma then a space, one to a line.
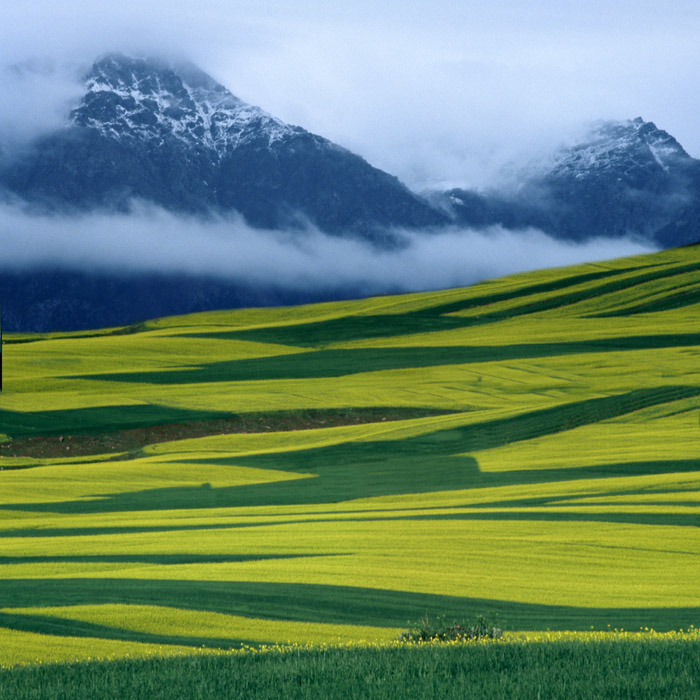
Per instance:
x=150, y=239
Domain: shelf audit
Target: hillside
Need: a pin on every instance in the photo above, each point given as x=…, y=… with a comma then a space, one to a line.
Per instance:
x=526, y=446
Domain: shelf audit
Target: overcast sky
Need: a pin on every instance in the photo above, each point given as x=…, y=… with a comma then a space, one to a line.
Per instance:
x=439, y=92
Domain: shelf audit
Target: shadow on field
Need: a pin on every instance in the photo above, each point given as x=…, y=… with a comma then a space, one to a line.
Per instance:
x=342, y=362
x=300, y=602
x=553, y=516
x=96, y=419
x=58, y=626
x=426, y=463
x=433, y=319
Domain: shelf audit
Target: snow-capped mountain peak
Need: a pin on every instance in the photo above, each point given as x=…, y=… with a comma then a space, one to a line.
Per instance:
x=150, y=130
x=626, y=146
x=153, y=100
x=615, y=178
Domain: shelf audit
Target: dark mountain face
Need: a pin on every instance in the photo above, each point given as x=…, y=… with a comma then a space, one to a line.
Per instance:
x=171, y=135
x=47, y=298
x=622, y=179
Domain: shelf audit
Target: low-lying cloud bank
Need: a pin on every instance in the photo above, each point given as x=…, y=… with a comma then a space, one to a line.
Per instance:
x=152, y=240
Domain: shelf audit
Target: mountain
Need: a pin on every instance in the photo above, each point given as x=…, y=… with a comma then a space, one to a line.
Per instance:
x=169, y=134
x=620, y=178
x=149, y=130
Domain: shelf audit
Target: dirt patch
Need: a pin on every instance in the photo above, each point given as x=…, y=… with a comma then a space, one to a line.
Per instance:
x=132, y=439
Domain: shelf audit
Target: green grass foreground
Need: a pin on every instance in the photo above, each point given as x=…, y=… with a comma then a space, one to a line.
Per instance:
x=646, y=670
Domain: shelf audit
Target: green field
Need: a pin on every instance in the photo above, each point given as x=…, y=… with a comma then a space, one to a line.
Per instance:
x=528, y=446
x=576, y=670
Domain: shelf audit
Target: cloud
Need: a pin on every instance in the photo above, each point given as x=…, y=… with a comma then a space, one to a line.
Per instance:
x=36, y=96
x=151, y=239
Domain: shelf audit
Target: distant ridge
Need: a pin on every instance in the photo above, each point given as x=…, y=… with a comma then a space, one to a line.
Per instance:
x=167, y=133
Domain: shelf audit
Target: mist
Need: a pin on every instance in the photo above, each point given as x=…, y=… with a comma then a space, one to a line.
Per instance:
x=36, y=96
x=152, y=240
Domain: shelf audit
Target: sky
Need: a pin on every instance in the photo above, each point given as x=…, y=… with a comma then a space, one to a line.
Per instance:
x=440, y=93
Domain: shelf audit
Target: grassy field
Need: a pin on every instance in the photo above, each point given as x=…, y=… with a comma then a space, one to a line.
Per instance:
x=527, y=447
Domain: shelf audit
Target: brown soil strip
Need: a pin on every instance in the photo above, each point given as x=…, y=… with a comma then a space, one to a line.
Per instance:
x=134, y=439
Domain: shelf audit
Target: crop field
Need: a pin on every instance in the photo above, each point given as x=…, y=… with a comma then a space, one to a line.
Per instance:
x=528, y=447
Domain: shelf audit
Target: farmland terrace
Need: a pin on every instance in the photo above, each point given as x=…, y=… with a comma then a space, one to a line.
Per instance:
x=527, y=447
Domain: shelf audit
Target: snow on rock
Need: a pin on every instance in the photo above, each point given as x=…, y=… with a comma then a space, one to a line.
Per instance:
x=617, y=145
x=153, y=100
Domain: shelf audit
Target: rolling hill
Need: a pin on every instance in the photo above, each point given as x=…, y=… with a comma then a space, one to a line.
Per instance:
x=526, y=446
